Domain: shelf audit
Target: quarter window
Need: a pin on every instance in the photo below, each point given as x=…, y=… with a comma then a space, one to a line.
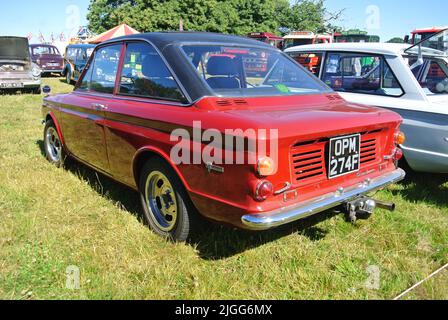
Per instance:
x=145, y=74
x=104, y=71
x=358, y=73
x=86, y=81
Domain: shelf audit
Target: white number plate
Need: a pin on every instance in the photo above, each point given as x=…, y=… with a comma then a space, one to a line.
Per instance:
x=11, y=85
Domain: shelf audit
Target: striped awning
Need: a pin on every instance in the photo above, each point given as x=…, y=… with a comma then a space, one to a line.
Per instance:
x=118, y=31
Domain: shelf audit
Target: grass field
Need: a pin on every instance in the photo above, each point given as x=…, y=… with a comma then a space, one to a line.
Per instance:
x=53, y=218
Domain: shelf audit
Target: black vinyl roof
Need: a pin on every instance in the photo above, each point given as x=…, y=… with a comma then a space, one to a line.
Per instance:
x=163, y=39
x=168, y=44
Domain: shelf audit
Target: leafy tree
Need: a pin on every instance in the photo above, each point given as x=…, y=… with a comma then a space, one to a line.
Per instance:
x=396, y=40
x=225, y=16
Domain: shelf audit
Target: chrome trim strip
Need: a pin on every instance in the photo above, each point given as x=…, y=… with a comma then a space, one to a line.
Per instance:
x=437, y=154
x=269, y=220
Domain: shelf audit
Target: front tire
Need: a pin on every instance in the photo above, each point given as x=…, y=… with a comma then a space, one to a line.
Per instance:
x=37, y=91
x=54, y=150
x=166, y=205
x=68, y=77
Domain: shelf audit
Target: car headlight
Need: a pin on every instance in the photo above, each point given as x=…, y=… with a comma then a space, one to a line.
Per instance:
x=36, y=71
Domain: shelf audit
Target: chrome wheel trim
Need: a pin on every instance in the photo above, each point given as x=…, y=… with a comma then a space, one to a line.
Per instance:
x=161, y=201
x=53, y=144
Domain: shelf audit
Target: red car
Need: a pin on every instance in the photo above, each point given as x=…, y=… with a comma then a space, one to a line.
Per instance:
x=172, y=116
x=48, y=58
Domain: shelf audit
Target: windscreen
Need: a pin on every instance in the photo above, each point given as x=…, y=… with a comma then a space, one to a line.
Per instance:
x=250, y=72
x=437, y=45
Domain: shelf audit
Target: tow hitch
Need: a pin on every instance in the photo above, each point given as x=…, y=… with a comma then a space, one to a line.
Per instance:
x=363, y=208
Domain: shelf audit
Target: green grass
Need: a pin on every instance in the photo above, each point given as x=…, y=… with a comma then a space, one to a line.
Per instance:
x=53, y=218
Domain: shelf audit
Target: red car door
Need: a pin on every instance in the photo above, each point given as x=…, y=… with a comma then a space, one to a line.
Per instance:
x=146, y=96
x=83, y=112
x=82, y=126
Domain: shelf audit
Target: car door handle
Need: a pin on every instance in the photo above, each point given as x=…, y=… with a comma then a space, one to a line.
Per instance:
x=99, y=107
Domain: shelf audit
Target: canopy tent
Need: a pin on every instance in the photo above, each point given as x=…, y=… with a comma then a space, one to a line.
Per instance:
x=118, y=31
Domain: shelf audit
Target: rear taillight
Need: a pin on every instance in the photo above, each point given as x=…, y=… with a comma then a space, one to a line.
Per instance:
x=398, y=154
x=264, y=190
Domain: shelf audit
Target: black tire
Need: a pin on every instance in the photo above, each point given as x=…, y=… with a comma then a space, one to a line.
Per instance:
x=54, y=150
x=68, y=77
x=37, y=90
x=186, y=219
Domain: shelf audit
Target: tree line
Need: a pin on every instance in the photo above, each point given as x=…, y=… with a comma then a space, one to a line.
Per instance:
x=224, y=16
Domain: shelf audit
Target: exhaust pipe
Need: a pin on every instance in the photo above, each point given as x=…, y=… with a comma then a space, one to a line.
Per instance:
x=385, y=205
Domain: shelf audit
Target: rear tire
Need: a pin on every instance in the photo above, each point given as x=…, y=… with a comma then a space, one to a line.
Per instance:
x=54, y=150
x=166, y=205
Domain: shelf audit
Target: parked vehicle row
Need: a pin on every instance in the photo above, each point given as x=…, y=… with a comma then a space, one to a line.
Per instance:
x=410, y=80
x=135, y=92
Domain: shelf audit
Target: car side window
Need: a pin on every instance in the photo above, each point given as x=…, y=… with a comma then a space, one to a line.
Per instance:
x=81, y=55
x=144, y=74
x=71, y=53
x=360, y=73
x=104, y=69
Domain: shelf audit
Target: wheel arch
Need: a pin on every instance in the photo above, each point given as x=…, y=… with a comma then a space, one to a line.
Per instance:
x=51, y=117
x=147, y=153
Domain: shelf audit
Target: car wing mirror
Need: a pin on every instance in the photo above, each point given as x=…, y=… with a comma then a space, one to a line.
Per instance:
x=46, y=90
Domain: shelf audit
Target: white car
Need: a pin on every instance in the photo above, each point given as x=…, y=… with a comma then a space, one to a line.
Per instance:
x=410, y=80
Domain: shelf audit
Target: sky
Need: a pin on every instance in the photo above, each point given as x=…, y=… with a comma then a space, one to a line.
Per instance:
x=386, y=18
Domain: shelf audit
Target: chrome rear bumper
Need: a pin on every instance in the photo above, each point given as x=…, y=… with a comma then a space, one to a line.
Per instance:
x=269, y=220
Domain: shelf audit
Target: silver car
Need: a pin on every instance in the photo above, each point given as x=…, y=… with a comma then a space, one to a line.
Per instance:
x=410, y=80
x=17, y=71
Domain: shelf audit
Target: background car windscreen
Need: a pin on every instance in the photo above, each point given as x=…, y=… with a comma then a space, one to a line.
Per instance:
x=240, y=71
x=39, y=51
x=14, y=48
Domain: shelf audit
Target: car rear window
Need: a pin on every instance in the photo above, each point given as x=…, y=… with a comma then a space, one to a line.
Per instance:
x=247, y=71
x=37, y=51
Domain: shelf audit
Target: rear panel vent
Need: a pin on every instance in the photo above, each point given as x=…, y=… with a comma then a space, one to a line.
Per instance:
x=240, y=102
x=308, y=161
x=368, y=150
x=223, y=103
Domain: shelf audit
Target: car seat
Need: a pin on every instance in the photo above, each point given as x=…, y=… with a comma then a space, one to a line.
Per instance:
x=223, y=72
